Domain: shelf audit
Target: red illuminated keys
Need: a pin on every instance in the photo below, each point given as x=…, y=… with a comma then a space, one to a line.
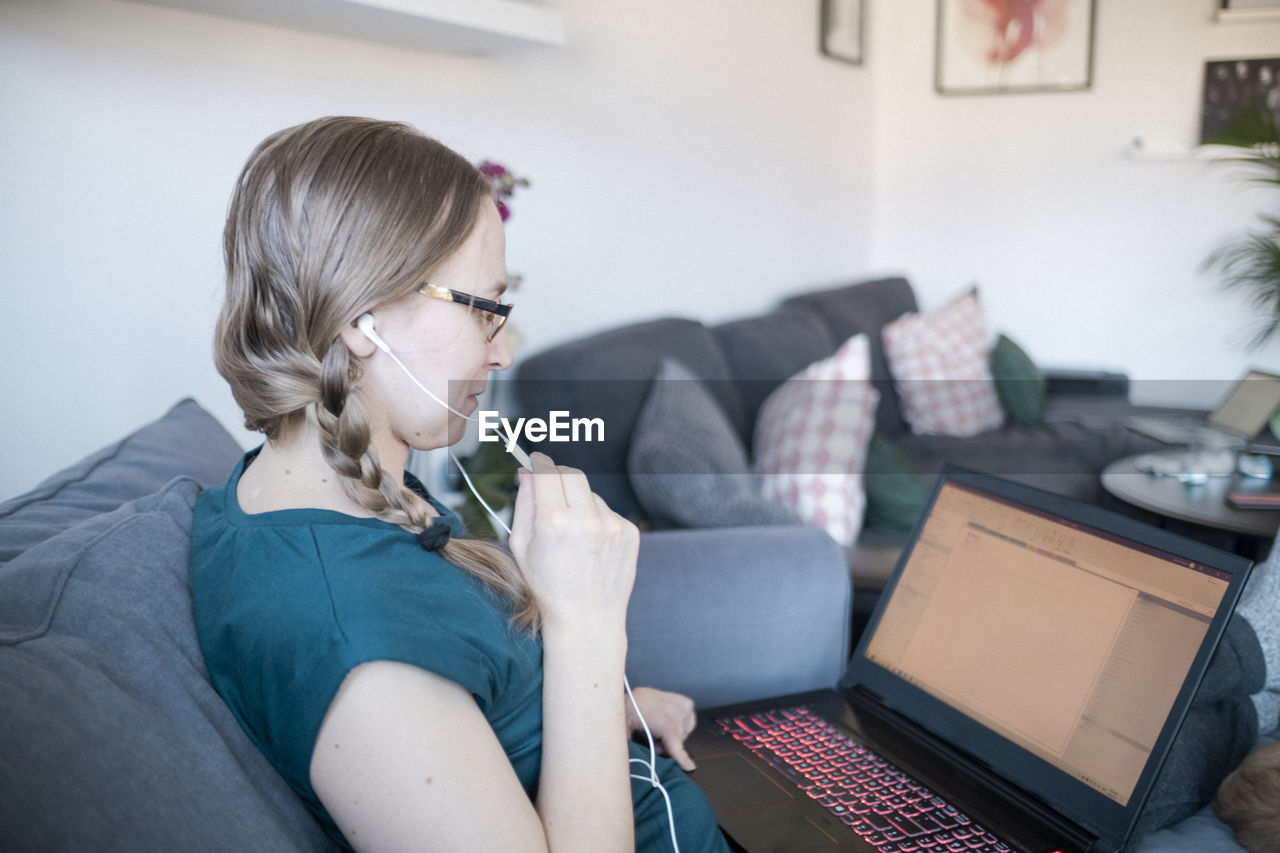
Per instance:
x=885, y=807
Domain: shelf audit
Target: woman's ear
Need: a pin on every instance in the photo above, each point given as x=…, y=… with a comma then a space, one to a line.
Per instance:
x=356, y=341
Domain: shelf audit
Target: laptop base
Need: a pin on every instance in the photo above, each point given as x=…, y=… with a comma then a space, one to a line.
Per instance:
x=761, y=807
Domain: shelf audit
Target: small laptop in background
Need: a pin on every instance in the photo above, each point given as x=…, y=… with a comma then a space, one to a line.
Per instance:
x=1241, y=415
x=1018, y=688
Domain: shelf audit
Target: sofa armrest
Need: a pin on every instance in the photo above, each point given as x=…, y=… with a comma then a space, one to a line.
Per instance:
x=1088, y=382
x=730, y=614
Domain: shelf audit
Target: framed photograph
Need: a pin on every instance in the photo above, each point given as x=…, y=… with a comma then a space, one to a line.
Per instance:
x=1232, y=86
x=840, y=29
x=986, y=48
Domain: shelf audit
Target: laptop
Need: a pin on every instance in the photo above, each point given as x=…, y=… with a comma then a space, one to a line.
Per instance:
x=1027, y=667
x=1242, y=414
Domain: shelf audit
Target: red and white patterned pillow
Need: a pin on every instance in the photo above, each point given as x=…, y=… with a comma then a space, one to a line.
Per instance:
x=811, y=440
x=941, y=367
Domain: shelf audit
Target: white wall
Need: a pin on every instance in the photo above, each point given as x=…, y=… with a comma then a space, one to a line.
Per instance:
x=1084, y=255
x=687, y=158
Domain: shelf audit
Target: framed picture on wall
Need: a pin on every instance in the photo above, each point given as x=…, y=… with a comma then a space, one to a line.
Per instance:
x=986, y=47
x=1234, y=87
x=840, y=29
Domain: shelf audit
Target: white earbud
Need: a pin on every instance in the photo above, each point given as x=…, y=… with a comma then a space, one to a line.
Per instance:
x=365, y=325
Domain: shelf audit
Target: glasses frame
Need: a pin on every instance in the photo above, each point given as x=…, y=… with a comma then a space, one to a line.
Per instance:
x=499, y=310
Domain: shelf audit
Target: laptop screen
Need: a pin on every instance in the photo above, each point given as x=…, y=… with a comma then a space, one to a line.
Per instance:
x=1068, y=641
x=1249, y=405
x=1054, y=642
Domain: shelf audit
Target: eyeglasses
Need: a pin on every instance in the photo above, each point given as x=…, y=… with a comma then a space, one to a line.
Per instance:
x=496, y=313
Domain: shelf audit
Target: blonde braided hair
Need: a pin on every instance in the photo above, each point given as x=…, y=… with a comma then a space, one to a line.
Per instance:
x=329, y=219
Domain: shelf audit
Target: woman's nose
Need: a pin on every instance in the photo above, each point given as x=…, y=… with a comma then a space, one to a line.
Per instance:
x=500, y=356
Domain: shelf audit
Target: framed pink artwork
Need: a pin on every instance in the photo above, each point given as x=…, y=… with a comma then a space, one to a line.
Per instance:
x=1005, y=46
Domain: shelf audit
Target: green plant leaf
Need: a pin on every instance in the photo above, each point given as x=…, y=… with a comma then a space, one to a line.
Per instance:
x=1250, y=126
x=1250, y=262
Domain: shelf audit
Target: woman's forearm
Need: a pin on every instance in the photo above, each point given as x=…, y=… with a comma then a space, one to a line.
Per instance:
x=584, y=796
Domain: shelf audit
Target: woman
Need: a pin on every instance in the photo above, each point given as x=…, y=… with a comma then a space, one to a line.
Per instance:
x=418, y=689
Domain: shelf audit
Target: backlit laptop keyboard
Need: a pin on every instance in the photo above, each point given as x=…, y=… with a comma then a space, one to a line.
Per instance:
x=887, y=808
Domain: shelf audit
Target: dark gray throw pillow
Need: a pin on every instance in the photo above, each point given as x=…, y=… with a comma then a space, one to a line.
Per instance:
x=111, y=736
x=686, y=463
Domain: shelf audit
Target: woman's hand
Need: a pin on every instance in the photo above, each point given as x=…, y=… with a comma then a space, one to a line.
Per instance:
x=670, y=717
x=578, y=556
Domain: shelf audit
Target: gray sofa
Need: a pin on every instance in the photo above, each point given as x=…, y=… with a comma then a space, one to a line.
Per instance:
x=112, y=738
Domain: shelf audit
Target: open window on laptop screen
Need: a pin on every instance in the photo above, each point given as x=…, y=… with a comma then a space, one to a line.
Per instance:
x=1069, y=640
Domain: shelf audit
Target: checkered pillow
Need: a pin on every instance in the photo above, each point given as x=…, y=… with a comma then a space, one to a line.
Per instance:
x=811, y=439
x=941, y=368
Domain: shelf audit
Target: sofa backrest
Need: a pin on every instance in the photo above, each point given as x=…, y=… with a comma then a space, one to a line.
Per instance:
x=763, y=352
x=608, y=374
x=865, y=308
x=741, y=361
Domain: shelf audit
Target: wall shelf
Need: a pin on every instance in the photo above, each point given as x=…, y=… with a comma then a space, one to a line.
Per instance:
x=1246, y=16
x=452, y=26
x=1146, y=153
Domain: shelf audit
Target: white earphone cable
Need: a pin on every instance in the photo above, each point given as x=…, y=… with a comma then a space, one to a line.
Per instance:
x=466, y=479
x=425, y=389
x=652, y=765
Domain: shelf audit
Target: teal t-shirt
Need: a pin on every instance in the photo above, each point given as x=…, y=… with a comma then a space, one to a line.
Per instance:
x=287, y=603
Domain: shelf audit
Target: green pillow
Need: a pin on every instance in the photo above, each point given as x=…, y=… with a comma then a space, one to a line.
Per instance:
x=1020, y=385
x=896, y=492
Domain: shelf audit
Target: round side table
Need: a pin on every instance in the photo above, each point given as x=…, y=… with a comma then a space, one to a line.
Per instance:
x=1203, y=504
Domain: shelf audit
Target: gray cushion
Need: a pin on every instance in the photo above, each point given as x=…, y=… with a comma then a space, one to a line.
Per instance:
x=186, y=440
x=688, y=466
x=607, y=376
x=111, y=737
